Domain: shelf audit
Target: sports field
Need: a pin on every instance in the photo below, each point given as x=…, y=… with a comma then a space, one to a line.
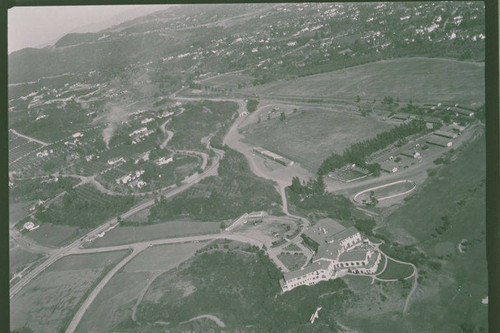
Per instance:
x=311, y=134
x=442, y=80
x=48, y=302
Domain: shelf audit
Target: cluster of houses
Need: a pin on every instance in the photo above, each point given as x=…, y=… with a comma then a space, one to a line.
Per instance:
x=44, y=153
x=30, y=226
x=132, y=179
x=139, y=134
x=339, y=253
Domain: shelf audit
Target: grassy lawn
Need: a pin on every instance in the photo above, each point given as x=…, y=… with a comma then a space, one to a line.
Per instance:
x=442, y=81
x=162, y=258
x=311, y=134
x=130, y=234
x=48, y=303
x=395, y=270
x=292, y=261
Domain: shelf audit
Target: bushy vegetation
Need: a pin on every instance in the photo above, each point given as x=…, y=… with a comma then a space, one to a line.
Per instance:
x=77, y=210
x=252, y=105
x=236, y=190
x=35, y=189
x=311, y=197
x=243, y=289
x=198, y=121
x=357, y=152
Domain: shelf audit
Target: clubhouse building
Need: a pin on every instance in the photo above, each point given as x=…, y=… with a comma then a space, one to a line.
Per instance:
x=338, y=254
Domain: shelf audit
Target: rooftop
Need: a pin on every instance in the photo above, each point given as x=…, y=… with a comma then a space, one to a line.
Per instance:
x=346, y=233
x=306, y=270
x=324, y=230
x=330, y=251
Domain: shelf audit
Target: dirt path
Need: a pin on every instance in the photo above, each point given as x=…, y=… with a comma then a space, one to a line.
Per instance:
x=216, y=319
x=152, y=278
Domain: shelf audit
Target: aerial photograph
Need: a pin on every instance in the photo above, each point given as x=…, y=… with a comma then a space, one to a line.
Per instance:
x=271, y=167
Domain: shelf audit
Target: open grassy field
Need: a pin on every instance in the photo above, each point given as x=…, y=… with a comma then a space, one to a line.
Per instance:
x=311, y=134
x=19, y=210
x=55, y=235
x=19, y=259
x=162, y=258
x=114, y=303
x=49, y=301
x=129, y=234
x=442, y=80
x=228, y=81
x=395, y=270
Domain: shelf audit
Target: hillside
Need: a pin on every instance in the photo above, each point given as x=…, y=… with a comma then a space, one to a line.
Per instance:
x=443, y=80
x=268, y=42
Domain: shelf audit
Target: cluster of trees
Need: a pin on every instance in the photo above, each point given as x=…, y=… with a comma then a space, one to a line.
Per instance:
x=198, y=86
x=83, y=213
x=357, y=152
x=236, y=190
x=34, y=189
x=252, y=105
x=313, y=186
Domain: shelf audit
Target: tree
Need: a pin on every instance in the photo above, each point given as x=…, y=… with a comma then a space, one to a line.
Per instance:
x=282, y=116
x=222, y=225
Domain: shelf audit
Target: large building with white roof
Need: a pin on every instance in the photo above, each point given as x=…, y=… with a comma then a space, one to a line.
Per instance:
x=338, y=254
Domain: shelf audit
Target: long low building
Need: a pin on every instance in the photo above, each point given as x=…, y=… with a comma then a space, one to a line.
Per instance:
x=446, y=134
x=275, y=157
x=439, y=141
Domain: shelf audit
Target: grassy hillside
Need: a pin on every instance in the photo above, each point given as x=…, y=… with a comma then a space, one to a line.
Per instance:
x=420, y=79
x=449, y=293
